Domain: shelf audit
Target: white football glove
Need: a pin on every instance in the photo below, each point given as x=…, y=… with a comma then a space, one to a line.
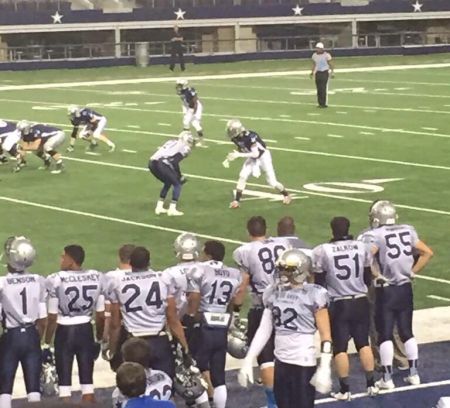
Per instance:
x=226, y=164
x=232, y=156
x=321, y=380
x=245, y=374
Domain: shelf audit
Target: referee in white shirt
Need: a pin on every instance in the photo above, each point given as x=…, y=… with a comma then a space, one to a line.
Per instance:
x=321, y=70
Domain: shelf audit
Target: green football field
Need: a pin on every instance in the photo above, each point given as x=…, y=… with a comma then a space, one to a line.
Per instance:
x=385, y=135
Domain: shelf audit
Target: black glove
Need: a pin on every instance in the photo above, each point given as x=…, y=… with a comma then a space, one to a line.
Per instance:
x=188, y=361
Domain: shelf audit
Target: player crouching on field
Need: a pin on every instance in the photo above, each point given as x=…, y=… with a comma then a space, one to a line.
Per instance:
x=93, y=127
x=159, y=384
x=252, y=148
x=296, y=310
x=43, y=140
x=342, y=266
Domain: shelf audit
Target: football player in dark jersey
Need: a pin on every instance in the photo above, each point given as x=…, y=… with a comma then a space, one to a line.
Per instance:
x=257, y=158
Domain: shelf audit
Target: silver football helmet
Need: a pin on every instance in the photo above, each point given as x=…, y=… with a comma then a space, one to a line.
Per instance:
x=20, y=253
x=186, y=247
x=293, y=267
x=186, y=137
x=382, y=212
x=73, y=110
x=237, y=346
x=180, y=85
x=24, y=127
x=234, y=128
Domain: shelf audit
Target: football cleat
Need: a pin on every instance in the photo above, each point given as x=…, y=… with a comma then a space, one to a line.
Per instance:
x=287, y=199
x=112, y=148
x=3, y=159
x=159, y=211
x=373, y=391
x=173, y=212
x=412, y=379
x=70, y=149
x=341, y=396
x=385, y=385
x=92, y=146
x=46, y=166
x=234, y=204
x=59, y=168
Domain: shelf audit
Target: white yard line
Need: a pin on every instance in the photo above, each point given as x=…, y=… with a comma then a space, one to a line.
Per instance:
x=335, y=136
x=302, y=138
x=76, y=84
x=229, y=181
x=434, y=297
x=287, y=120
x=129, y=151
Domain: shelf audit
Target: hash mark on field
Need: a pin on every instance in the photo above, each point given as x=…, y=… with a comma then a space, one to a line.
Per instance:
x=134, y=126
x=129, y=151
x=429, y=128
x=93, y=153
x=370, y=110
x=367, y=133
x=131, y=104
x=380, y=89
x=335, y=136
x=44, y=108
x=313, y=114
x=302, y=138
x=164, y=124
x=438, y=298
x=285, y=116
x=341, y=112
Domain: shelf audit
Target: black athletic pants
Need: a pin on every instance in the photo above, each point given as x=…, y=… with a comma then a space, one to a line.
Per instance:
x=322, y=88
x=20, y=345
x=177, y=52
x=291, y=386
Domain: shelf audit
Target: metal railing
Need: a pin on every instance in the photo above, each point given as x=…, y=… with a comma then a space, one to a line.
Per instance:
x=199, y=47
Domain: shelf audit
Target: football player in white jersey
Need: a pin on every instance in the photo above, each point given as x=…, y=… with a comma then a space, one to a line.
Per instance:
x=24, y=310
x=75, y=296
x=186, y=248
x=393, y=245
x=211, y=290
x=192, y=109
x=257, y=261
x=343, y=267
x=295, y=310
x=257, y=157
x=159, y=384
x=142, y=304
x=124, y=254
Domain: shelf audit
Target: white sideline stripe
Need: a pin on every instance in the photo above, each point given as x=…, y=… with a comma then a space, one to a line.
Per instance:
x=219, y=76
x=425, y=277
x=221, y=180
x=113, y=219
x=227, y=117
x=438, y=298
x=283, y=149
x=395, y=390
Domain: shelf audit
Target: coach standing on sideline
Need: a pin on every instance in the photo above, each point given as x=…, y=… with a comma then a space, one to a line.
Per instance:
x=322, y=67
x=176, y=49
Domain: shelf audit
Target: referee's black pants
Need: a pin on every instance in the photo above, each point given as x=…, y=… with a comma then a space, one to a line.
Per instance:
x=177, y=53
x=322, y=88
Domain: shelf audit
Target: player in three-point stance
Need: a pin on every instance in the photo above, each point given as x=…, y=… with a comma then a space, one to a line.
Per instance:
x=258, y=158
x=295, y=309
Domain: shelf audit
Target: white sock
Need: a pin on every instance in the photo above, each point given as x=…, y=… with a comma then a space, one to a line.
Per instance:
x=173, y=206
x=5, y=400
x=386, y=353
x=65, y=391
x=34, y=397
x=412, y=353
x=279, y=187
x=220, y=396
x=160, y=204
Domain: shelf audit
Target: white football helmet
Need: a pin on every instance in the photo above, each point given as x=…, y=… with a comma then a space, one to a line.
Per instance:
x=382, y=212
x=73, y=110
x=293, y=268
x=187, y=137
x=24, y=127
x=180, y=85
x=186, y=247
x=19, y=252
x=234, y=128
